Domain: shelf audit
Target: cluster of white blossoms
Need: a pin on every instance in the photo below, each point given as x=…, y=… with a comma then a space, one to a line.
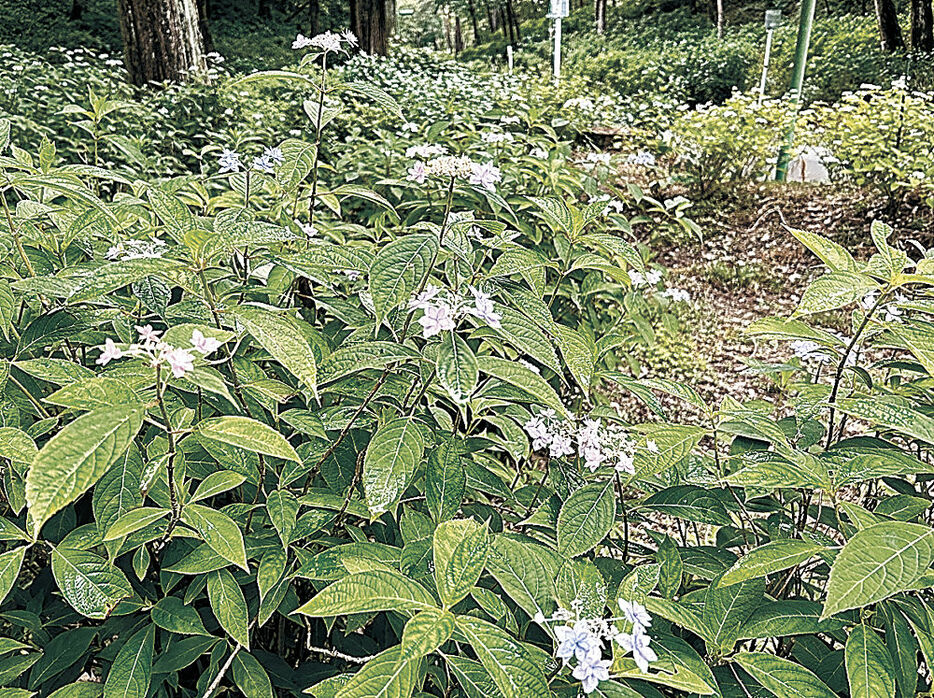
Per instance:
x=596, y=442
x=494, y=137
x=651, y=278
x=481, y=174
x=443, y=308
x=582, y=640
x=643, y=159
x=327, y=42
x=808, y=350
x=159, y=353
x=890, y=311
x=229, y=161
x=136, y=249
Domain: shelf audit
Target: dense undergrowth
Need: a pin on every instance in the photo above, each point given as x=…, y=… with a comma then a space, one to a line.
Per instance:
x=308, y=383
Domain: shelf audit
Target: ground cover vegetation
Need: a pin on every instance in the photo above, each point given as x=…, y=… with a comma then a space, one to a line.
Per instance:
x=331, y=373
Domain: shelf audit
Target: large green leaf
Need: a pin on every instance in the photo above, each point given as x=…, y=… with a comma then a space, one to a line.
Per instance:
x=244, y=432
x=250, y=676
x=891, y=412
x=727, y=608
x=282, y=337
x=586, y=518
x=457, y=367
x=460, y=552
x=131, y=672
x=76, y=457
x=771, y=557
x=523, y=378
x=172, y=614
x=784, y=678
x=10, y=564
x=384, y=676
x=368, y=592
x=510, y=664
x=522, y=572
x=869, y=667
x=834, y=290
x=878, y=561
x=399, y=269
x=219, y=531
x=425, y=632
x=229, y=606
x=391, y=457
x=445, y=480
x=90, y=583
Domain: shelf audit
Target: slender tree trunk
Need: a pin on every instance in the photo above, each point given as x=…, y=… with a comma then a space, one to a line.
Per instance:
x=511, y=18
x=76, y=10
x=491, y=19
x=507, y=28
x=162, y=39
x=599, y=7
x=889, y=30
x=370, y=22
x=473, y=21
x=263, y=11
x=314, y=13
x=719, y=19
x=922, y=26
x=458, y=36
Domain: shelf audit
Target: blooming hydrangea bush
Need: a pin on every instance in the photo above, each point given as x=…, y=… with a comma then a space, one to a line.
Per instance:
x=286, y=426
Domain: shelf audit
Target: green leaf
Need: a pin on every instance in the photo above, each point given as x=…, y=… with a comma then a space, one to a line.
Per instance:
x=391, y=457
x=787, y=617
x=229, y=606
x=690, y=502
x=834, y=290
x=457, y=368
x=876, y=563
x=578, y=354
x=76, y=457
x=361, y=356
x=460, y=551
x=10, y=564
x=283, y=511
x=671, y=568
x=375, y=94
x=771, y=557
x=384, y=676
x=250, y=677
x=219, y=531
x=282, y=337
x=523, y=378
x=91, y=584
x=522, y=572
x=869, y=667
x=830, y=253
x=244, y=432
x=133, y=521
x=115, y=275
x=399, y=269
x=784, y=678
x=727, y=608
x=891, y=412
x=510, y=664
x=586, y=518
x=172, y=614
x=425, y=632
x=131, y=672
x=368, y=592
x=445, y=481
x=216, y=483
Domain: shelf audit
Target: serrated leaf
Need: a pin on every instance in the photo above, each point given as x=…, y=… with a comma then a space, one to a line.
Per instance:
x=391, y=457
x=869, y=667
x=425, y=632
x=282, y=506
x=517, y=375
x=131, y=672
x=369, y=592
x=217, y=483
x=244, y=432
x=460, y=552
x=229, y=606
x=457, y=367
x=133, y=521
x=509, y=663
x=586, y=518
x=834, y=290
x=876, y=563
x=399, y=269
x=76, y=457
x=445, y=481
x=784, y=678
x=91, y=584
x=771, y=557
x=172, y=614
x=219, y=531
x=282, y=337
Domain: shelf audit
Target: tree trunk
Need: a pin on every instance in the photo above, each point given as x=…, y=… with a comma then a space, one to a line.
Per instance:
x=473, y=22
x=922, y=26
x=314, y=13
x=76, y=10
x=507, y=28
x=369, y=21
x=599, y=7
x=511, y=18
x=263, y=11
x=162, y=39
x=204, y=17
x=491, y=19
x=458, y=36
x=889, y=30
x=719, y=19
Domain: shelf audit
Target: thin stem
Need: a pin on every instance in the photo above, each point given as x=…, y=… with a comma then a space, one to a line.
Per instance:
x=314, y=170
x=16, y=239
x=220, y=675
x=170, y=435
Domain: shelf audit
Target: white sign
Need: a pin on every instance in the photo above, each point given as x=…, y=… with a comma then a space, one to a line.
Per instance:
x=559, y=8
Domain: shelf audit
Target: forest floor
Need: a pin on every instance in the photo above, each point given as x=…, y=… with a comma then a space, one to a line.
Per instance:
x=749, y=266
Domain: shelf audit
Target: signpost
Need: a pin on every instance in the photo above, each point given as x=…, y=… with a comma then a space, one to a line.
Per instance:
x=797, y=83
x=559, y=10
x=773, y=20
x=509, y=57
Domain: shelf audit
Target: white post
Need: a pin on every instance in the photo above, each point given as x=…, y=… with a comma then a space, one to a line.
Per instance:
x=765, y=63
x=509, y=57
x=557, y=49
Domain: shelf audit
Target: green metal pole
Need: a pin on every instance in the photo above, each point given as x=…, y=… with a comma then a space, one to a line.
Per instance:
x=797, y=83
